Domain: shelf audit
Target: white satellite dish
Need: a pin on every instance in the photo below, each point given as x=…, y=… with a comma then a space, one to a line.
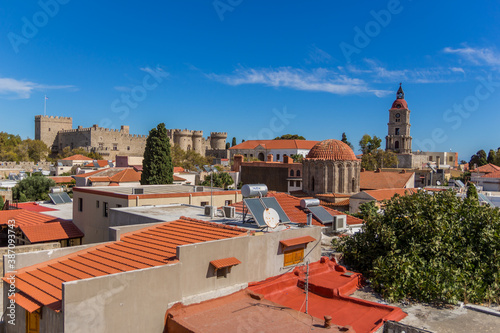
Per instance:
x=438, y=182
x=271, y=217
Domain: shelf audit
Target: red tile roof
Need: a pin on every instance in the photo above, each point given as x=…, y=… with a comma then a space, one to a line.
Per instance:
x=52, y=231
x=26, y=302
x=34, y=207
x=495, y=174
x=487, y=168
x=178, y=179
x=297, y=241
x=178, y=169
x=23, y=217
x=148, y=247
x=62, y=179
x=126, y=176
x=100, y=163
x=77, y=157
x=276, y=144
x=114, y=175
x=332, y=150
x=226, y=262
x=333, y=195
x=388, y=193
x=336, y=204
x=374, y=180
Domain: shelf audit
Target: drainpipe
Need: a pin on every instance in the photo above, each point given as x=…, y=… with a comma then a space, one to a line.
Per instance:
x=137, y=201
x=190, y=199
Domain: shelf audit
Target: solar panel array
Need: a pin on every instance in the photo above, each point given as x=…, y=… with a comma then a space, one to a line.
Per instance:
x=60, y=198
x=321, y=214
x=257, y=210
x=483, y=198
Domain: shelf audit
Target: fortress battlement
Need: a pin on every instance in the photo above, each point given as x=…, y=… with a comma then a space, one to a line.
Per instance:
x=53, y=118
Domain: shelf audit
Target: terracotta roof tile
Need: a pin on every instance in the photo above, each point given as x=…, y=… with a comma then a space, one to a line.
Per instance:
x=62, y=179
x=148, y=247
x=52, y=231
x=336, y=204
x=179, y=179
x=226, y=262
x=23, y=217
x=178, y=169
x=374, y=180
x=276, y=144
x=388, y=193
x=297, y=241
x=77, y=157
x=34, y=207
x=487, y=168
x=26, y=302
x=332, y=150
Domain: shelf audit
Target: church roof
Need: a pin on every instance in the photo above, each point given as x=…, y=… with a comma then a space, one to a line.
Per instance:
x=399, y=104
x=332, y=150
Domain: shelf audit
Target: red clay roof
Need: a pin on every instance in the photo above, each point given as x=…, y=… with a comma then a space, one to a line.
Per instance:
x=401, y=102
x=374, y=180
x=126, y=176
x=85, y=175
x=388, y=193
x=34, y=207
x=148, y=247
x=297, y=241
x=52, y=231
x=115, y=175
x=62, y=179
x=178, y=179
x=226, y=262
x=26, y=302
x=77, y=157
x=336, y=204
x=100, y=163
x=178, y=169
x=487, y=168
x=23, y=217
x=276, y=144
x=329, y=285
x=495, y=174
x=332, y=150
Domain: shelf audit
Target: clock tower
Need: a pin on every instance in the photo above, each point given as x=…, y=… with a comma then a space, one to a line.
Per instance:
x=398, y=138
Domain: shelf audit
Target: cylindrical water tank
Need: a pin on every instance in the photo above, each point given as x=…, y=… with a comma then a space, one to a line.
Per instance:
x=304, y=203
x=252, y=190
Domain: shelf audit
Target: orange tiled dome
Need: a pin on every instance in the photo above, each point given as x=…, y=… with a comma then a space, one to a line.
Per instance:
x=333, y=150
x=399, y=104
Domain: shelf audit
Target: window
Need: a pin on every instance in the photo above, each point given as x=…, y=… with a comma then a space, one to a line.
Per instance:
x=277, y=157
x=49, y=129
x=298, y=173
x=450, y=159
x=396, y=145
x=128, y=147
x=293, y=257
x=204, y=203
x=298, y=183
x=397, y=131
x=80, y=204
x=115, y=146
x=430, y=158
x=291, y=173
x=105, y=209
x=97, y=204
x=397, y=120
x=228, y=202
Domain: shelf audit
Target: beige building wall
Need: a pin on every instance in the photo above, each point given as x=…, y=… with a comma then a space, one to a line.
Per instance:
x=95, y=225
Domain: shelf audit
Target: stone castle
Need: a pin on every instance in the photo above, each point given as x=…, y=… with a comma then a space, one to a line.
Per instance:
x=58, y=133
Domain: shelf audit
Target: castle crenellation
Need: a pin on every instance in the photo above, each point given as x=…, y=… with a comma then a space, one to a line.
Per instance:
x=58, y=133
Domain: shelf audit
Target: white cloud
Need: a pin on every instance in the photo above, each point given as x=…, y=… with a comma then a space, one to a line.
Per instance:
x=21, y=89
x=319, y=79
x=156, y=72
x=478, y=56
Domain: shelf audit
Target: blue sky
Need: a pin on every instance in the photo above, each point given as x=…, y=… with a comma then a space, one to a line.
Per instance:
x=257, y=69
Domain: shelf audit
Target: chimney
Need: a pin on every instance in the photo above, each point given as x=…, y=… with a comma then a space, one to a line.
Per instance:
x=309, y=219
x=270, y=157
x=287, y=159
x=328, y=322
x=238, y=159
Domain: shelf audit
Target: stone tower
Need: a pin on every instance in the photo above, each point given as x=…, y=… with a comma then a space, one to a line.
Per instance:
x=398, y=137
x=46, y=129
x=218, y=140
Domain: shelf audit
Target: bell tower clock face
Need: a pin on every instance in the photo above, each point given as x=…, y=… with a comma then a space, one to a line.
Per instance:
x=400, y=95
x=397, y=115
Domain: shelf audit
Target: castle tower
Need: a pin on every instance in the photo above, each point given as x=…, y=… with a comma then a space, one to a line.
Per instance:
x=398, y=137
x=198, y=142
x=218, y=140
x=46, y=129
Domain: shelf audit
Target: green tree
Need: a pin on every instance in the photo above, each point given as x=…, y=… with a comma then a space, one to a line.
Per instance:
x=290, y=137
x=37, y=150
x=379, y=159
x=368, y=210
x=368, y=144
x=2, y=203
x=157, y=164
x=429, y=247
x=188, y=159
x=344, y=140
x=233, y=143
x=478, y=159
x=491, y=156
x=33, y=188
x=228, y=145
x=472, y=192
x=297, y=158
x=95, y=156
x=219, y=179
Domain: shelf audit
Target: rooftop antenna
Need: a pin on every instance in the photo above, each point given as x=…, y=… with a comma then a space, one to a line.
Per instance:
x=45, y=105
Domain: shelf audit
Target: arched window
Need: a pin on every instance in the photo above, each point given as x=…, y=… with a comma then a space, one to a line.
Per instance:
x=261, y=157
x=396, y=145
x=312, y=184
x=298, y=173
x=291, y=173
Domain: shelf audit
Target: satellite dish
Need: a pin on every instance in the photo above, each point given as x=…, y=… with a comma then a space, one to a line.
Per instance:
x=438, y=182
x=271, y=218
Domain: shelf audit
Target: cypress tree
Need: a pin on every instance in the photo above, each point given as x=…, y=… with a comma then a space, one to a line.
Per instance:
x=157, y=165
x=233, y=143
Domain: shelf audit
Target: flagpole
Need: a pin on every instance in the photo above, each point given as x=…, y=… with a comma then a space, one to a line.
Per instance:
x=45, y=106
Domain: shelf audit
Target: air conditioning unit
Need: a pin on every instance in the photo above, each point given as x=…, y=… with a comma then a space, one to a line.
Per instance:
x=339, y=222
x=209, y=211
x=137, y=191
x=199, y=189
x=229, y=211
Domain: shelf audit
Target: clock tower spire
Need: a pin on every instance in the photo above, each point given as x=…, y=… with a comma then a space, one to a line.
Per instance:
x=398, y=137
